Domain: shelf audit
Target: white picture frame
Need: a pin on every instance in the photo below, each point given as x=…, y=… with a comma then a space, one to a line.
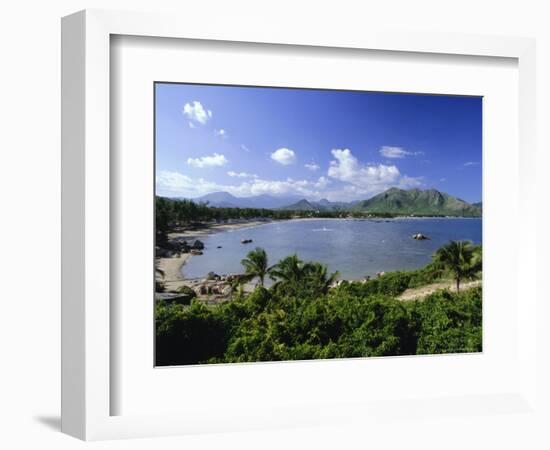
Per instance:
x=86, y=248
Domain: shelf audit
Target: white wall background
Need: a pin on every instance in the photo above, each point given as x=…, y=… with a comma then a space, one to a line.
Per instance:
x=30, y=197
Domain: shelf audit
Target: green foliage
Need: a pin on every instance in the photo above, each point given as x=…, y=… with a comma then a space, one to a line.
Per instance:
x=393, y=283
x=187, y=291
x=293, y=276
x=174, y=213
x=460, y=258
x=429, y=202
x=256, y=264
x=299, y=317
x=448, y=323
x=188, y=334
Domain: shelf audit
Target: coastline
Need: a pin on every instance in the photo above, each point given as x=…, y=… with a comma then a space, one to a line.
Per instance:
x=171, y=266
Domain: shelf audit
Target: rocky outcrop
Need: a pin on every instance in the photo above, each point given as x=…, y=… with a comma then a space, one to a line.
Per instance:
x=420, y=237
x=197, y=245
x=179, y=298
x=171, y=248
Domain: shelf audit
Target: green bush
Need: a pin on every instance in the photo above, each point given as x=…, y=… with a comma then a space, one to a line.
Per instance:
x=187, y=291
x=300, y=318
x=188, y=334
x=448, y=322
x=268, y=327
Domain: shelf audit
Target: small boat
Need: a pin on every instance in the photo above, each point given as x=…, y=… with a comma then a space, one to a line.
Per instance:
x=246, y=241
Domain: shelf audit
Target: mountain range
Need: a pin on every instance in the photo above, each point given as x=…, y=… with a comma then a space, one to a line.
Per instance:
x=227, y=200
x=392, y=201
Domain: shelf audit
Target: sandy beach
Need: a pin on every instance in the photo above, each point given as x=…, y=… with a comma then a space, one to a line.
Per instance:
x=171, y=267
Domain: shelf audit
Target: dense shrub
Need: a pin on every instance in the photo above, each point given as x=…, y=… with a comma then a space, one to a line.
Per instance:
x=188, y=291
x=350, y=321
x=188, y=334
x=392, y=283
x=448, y=323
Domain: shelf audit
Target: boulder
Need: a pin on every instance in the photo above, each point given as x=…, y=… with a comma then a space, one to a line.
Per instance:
x=420, y=236
x=197, y=245
x=179, y=298
x=226, y=290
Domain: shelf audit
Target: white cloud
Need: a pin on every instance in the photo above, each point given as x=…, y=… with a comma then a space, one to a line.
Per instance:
x=284, y=156
x=221, y=133
x=191, y=125
x=367, y=179
x=245, y=148
x=312, y=166
x=196, y=112
x=322, y=183
x=242, y=174
x=471, y=163
x=176, y=184
x=397, y=152
x=215, y=160
x=407, y=182
x=347, y=179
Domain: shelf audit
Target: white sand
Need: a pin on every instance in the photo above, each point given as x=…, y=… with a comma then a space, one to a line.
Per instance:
x=423, y=291
x=171, y=267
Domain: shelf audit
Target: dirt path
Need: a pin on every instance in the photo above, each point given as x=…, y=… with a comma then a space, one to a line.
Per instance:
x=423, y=291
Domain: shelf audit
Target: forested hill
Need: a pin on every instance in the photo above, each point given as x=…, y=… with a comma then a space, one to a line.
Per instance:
x=418, y=202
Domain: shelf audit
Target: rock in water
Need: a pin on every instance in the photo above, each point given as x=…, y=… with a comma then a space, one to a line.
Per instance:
x=420, y=237
x=198, y=245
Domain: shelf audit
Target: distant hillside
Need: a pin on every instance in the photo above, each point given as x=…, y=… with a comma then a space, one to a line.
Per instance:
x=418, y=202
x=227, y=200
x=393, y=201
x=303, y=205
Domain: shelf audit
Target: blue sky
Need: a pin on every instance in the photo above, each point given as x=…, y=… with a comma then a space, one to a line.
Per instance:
x=314, y=144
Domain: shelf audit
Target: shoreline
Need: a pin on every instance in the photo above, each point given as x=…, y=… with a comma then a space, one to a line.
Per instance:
x=172, y=266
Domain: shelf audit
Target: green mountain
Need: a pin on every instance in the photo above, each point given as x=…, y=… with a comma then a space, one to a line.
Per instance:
x=418, y=202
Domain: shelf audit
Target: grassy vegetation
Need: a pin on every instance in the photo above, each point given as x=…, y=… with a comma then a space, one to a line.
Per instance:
x=301, y=317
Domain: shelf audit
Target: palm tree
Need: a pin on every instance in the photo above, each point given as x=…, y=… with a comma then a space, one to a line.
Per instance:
x=461, y=258
x=255, y=264
x=288, y=270
x=317, y=274
x=292, y=274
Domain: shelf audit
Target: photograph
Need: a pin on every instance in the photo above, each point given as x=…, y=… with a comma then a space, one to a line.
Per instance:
x=298, y=224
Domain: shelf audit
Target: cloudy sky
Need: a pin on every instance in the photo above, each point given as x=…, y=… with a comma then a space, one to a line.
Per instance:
x=314, y=143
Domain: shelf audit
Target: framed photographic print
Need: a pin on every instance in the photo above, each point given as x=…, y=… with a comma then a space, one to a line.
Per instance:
x=267, y=231
x=267, y=252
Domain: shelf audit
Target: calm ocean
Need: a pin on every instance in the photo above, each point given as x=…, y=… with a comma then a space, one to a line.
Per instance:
x=353, y=247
